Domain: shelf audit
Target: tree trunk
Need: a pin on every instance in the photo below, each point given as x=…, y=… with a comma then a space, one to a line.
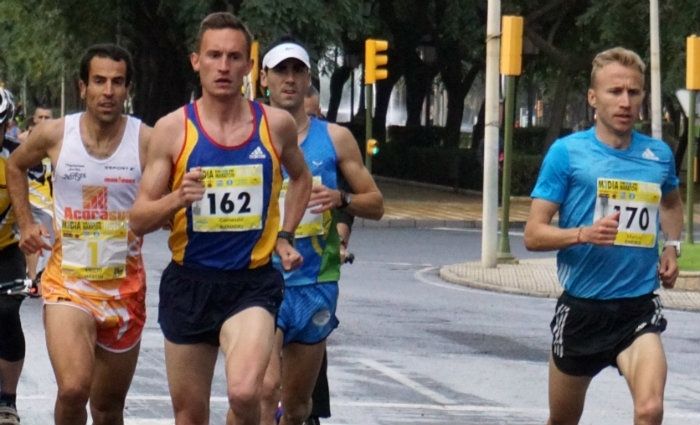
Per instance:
x=160, y=58
x=456, y=92
x=415, y=95
x=338, y=79
x=382, y=93
x=558, y=110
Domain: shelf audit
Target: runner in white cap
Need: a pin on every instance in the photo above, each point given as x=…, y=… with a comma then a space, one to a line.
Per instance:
x=307, y=315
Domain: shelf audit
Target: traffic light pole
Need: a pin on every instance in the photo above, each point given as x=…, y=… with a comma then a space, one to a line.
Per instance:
x=690, y=170
x=369, y=100
x=504, y=255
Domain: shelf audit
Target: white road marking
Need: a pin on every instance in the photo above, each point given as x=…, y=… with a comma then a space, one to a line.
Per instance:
x=465, y=230
x=405, y=380
x=419, y=276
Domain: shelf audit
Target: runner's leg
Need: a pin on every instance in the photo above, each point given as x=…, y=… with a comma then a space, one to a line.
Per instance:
x=644, y=366
x=300, y=366
x=70, y=339
x=246, y=339
x=567, y=394
x=190, y=369
x=271, y=392
x=110, y=384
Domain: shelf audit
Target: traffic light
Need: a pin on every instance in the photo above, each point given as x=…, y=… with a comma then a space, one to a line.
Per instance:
x=692, y=72
x=512, y=45
x=374, y=59
x=372, y=147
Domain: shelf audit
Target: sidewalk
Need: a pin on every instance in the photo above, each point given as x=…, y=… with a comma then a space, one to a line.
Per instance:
x=408, y=204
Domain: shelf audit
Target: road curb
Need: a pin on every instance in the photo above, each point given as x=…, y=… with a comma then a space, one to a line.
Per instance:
x=538, y=278
x=429, y=223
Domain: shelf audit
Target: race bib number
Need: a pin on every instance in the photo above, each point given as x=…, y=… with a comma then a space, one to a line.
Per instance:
x=94, y=249
x=311, y=224
x=233, y=199
x=638, y=204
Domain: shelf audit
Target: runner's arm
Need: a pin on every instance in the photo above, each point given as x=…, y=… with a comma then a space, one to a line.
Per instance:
x=541, y=235
x=671, y=220
x=155, y=205
x=40, y=143
x=671, y=215
x=299, y=188
x=367, y=200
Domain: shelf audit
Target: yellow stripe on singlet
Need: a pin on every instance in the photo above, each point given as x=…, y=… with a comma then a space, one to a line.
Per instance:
x=266, y=244
x=178, y=234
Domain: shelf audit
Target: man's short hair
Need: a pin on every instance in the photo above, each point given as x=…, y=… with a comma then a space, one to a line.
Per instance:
x=223, y=20
x=624, y=57
x=106, y=50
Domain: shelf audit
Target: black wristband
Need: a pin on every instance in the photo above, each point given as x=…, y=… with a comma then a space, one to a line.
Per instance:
x=288, y=236
x=345, y=199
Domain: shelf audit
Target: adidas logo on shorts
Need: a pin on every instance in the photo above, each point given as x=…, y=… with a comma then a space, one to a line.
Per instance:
x=257, y=154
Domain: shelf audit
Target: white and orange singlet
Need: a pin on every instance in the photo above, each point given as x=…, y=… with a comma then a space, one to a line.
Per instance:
x=96, y=263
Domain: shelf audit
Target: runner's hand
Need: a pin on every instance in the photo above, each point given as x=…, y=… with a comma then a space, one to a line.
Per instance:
x=290, y=257
x=603, y=231
x=192, y=188
x=668, y=268
x=323, y=199
x=33, y=239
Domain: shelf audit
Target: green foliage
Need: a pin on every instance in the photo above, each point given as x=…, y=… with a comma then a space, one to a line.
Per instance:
x=450, y=167
x=319, y=24
x=524, y=171
x=34, y=43
x=415, y=136
x=690, y=258
x=531, y=140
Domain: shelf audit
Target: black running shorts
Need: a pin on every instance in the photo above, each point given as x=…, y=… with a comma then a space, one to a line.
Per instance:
x=588, y=335
x=195, y=303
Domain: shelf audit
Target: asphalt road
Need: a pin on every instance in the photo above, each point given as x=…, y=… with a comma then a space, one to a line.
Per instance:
x=410, y=348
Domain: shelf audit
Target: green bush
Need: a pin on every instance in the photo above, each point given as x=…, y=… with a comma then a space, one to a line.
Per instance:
x=530, y=140
x=459, y=168
x=524, y=171
x=415, y=136
x=449, y=167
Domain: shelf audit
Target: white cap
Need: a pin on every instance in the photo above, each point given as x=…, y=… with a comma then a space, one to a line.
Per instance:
x=285, y=51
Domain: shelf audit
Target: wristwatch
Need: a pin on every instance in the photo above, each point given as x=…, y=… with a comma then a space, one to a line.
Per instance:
x=288, y=236
x=676, y=245
x=345, y=199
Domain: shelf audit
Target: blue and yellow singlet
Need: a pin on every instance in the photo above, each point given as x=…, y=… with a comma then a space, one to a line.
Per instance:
x=317, y=236
x=235, y=225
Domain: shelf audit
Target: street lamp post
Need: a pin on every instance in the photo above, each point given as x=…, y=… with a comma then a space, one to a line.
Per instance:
x=490, y=185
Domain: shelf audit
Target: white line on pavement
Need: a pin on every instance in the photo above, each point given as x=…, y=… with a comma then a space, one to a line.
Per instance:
x=419, y=276
x=405, y=380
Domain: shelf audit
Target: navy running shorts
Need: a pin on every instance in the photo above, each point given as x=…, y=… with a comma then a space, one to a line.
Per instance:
x=195, y=303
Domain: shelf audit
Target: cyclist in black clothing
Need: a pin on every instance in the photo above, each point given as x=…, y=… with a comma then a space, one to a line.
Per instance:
x=12, y=273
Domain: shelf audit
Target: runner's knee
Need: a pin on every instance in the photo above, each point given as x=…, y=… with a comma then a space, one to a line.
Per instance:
x=190, y=406
x=297, y=412
x=649, y=411
x=104, y=414
x=74, y=393
x=243, y=397
x=271, y=388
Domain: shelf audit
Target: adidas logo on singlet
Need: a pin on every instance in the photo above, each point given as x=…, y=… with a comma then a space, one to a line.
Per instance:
x=648, y=154
x=257, y=154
